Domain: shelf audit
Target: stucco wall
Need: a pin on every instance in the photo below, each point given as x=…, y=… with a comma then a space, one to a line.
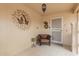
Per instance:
x=13, y=39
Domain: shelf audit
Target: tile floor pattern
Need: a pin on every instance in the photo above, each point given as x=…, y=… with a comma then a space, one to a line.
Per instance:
x=45, y=50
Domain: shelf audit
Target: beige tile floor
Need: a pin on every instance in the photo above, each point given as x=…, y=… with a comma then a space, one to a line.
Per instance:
x=46, y=50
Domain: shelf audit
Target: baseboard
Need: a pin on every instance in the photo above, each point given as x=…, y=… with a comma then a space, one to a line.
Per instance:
x=67, y=45
x=57, y=42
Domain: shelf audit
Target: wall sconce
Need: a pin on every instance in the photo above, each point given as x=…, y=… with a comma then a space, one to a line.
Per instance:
x=44, y=7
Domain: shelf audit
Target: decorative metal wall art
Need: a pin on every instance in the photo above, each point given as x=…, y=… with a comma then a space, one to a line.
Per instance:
x=45, y=24
x=44, y=7
x=21, y=18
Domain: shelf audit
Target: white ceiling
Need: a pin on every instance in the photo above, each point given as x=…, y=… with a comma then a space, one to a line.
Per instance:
x=52, y=7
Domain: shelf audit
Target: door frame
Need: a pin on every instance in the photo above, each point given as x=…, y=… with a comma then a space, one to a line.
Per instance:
x=61, y=28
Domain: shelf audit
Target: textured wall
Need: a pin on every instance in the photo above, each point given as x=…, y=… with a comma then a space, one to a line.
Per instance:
x=13, y=39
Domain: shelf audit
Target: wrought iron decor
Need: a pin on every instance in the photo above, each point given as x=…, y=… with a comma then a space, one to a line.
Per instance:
x=21, y=18
x=44, y=7
x=45, y=24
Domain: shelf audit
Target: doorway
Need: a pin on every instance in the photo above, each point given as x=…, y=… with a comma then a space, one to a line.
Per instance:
x=57, y=30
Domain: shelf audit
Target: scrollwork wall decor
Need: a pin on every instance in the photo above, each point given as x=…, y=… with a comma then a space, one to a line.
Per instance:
x=45, y=24
x=21, y=18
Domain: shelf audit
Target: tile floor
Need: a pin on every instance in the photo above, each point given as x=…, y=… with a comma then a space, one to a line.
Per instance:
x=46, y=50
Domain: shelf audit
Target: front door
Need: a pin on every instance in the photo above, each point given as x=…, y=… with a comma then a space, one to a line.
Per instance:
x=57, y=34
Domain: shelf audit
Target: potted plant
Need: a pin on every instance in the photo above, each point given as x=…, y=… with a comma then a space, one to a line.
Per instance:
x=33, y=42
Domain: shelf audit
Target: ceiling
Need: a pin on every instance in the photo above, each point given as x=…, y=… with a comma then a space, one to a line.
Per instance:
x=52, y=7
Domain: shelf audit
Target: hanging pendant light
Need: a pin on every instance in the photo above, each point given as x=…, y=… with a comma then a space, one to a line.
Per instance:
x=43, y=7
